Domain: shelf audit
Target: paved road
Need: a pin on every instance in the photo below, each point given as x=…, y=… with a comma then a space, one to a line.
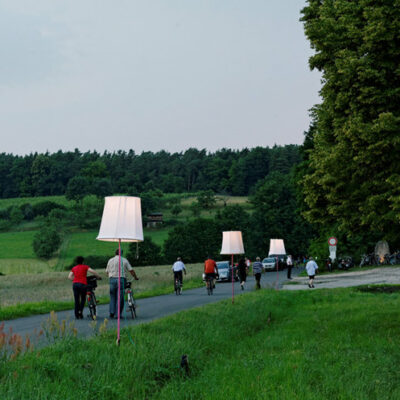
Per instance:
x=148, y=309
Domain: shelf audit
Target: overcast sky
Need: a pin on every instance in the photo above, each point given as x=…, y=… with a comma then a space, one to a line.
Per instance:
x=153, y=74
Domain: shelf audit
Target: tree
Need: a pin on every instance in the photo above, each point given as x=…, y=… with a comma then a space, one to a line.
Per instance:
x=149, y=253
x=353, y=181
x=193, y=241
x=176, y=210
x=77, y=188
x=46, y=242
x=206, y=199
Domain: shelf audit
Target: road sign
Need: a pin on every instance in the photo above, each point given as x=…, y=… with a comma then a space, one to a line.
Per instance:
x=332, y=241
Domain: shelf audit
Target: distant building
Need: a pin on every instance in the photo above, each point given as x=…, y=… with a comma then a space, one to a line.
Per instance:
x=154, y=220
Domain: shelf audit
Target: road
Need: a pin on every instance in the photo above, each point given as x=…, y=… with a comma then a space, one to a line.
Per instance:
x=148, y=310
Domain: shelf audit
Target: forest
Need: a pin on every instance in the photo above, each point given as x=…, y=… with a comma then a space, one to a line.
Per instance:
x=76, y=174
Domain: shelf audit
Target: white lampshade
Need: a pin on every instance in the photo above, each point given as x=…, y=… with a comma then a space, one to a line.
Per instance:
x=232, y=243
x=122, y=220
x=276, y=247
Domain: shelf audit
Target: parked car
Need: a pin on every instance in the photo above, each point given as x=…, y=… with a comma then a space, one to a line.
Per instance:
x=269, y=264
x=225, y=271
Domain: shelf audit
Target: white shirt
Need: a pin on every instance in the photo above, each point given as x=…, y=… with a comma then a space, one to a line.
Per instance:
x=289, y=261
x=178, y=266
x=311, y=267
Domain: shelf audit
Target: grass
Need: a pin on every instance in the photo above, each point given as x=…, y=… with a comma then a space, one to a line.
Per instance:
x=17, y=244
x=336, y=344
x=22, y=266
x=22, y=295
x=4, y=203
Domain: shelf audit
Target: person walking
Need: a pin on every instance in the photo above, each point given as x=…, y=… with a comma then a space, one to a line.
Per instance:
x=112, y=272
x=257, y=270
x=242, y=272
x=289, y=263
x=311, y=268
x=78, y=276
x=178, y=268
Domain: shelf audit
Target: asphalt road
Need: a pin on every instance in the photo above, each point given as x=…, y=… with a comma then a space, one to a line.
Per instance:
x=148, y=309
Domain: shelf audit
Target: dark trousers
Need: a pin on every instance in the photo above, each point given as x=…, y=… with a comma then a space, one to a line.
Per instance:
x=179, y=275
x=80, y=298
x=289, y=271
x=258, y=279
x=114, y=295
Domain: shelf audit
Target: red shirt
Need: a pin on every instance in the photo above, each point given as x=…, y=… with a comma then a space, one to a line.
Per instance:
x=209, y=266
x=80, y=273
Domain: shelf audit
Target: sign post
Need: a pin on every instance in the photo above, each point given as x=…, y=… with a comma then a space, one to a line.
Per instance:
x=332, y=242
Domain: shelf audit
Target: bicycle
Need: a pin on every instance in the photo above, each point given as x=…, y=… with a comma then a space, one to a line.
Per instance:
x=178, y=286
x=91, y=297
x=131, y=299
x=210, y=284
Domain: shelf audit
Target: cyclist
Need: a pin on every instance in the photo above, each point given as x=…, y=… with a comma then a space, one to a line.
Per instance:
x=78, y=276
x=178, y=267
x=210, y=270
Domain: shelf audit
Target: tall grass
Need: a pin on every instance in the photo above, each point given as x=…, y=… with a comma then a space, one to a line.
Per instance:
x=338, y=344
x=40, y=293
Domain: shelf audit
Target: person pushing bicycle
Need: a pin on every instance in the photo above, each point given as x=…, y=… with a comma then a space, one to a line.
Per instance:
x=210, y=271
x=178, y=268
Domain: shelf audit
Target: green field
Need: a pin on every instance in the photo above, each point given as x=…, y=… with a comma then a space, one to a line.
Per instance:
x=4, y=203
x=337, y=344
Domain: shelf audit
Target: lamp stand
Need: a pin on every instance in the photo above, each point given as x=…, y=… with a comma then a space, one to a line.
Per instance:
x=119, y=292
x=233, y=290
x=277, y=273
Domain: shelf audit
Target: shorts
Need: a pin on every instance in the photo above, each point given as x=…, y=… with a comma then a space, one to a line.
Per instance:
x=213, y=275
x=311, y=276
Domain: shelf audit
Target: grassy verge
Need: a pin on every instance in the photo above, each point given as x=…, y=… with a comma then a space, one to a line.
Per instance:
x=337, y=344
x=23, y=295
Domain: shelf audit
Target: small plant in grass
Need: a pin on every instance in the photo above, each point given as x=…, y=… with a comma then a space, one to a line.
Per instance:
x=101, y=329
x=12, y=344
x=54, y=330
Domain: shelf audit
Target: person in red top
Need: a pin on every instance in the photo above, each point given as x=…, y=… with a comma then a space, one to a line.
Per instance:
x=78, y=276
x=210, y=270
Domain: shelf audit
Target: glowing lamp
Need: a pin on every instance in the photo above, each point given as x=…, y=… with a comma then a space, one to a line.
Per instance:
x=276, y=247
x=122, y=220
x=232, y=243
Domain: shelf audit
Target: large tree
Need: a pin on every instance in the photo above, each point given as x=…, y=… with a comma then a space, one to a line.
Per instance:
x=353, y=180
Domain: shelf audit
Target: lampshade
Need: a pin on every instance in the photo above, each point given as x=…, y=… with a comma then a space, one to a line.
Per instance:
x=276, y=247
x=122, y=220
x=232, y=243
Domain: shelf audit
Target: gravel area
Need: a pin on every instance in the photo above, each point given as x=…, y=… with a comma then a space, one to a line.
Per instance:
x=355, y=277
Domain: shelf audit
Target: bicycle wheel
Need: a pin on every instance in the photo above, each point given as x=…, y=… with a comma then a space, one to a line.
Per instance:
x=177, y=287
x=132, y=305
x=92, y=306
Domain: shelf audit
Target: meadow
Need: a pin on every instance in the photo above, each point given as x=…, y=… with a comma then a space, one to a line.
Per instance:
x=331, y=344
x=38, y=293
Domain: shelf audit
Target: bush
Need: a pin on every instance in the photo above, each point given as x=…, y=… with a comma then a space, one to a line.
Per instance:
x=46, y=242
x=44, y=207
x=5, y=224
x=27, y=211
x=149, y=253
x=16, y=216
x=95, y=262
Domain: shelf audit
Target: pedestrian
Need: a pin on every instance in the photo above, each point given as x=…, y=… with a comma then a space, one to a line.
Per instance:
x=311, y=269
x=78, y=276
x=242, y=272
x=289, y=263
x=257, y=270
x=248, y=263
x=112, y=272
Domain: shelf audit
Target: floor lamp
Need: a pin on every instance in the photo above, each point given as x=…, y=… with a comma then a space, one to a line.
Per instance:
x=276, y=248
x=232, y=243
x=121, y=222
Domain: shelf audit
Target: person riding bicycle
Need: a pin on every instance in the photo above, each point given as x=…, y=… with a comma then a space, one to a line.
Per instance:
x=178, y=267
x=210, y=270
x=78, y=275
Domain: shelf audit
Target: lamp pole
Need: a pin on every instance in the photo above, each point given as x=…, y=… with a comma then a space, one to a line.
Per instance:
x=233, y=285
x=119, y=292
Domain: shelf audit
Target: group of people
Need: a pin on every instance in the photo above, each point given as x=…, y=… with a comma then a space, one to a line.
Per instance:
x=79, y=272
x=78, y=275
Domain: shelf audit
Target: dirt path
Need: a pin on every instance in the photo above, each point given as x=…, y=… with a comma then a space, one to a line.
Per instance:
x=357, y=277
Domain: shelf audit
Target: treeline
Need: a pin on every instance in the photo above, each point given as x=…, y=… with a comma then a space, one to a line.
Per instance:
x=77, y=174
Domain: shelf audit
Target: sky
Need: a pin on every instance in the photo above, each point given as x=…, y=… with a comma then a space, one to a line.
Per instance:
x=153, y=75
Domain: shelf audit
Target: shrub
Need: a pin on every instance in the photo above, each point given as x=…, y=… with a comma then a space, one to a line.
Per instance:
x=149, y=253
x=46, y=242
x=95, y=262
x=27, y=211
x=44, y=207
